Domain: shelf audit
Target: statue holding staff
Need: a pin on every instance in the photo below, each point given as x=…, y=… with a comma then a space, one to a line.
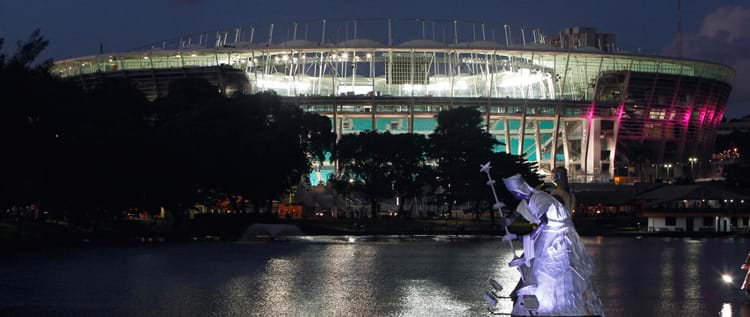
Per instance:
x=555, y=268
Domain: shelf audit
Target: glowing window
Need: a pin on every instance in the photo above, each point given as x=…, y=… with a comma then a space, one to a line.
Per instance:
x=657, y=114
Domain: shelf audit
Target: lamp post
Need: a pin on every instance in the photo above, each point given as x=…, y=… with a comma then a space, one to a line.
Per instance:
x=692, y=161
x=668, y=166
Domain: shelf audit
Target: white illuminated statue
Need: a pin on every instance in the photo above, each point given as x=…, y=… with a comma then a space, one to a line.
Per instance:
x=555, y=268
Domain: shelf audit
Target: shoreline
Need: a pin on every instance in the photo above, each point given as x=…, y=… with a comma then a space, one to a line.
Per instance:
x=52, y=236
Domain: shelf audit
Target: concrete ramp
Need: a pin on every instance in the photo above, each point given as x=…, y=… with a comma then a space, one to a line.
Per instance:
x=264, y=231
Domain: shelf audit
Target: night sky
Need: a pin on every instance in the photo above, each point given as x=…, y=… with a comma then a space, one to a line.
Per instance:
x=716, y=30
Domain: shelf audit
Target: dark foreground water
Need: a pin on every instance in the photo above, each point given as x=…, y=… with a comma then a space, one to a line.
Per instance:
x=338, y=277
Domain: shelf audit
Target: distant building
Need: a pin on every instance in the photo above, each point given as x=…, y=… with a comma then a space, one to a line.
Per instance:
x=695, y=208
x=584, y=37
x=605, y=199
x=701, y=207
x=734, y=125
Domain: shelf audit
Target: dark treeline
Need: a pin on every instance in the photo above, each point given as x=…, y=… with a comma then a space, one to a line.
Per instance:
x=87, y=156
x=444, y=165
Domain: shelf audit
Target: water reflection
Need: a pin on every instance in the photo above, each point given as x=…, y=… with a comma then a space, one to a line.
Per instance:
x=507, y=277
x=726, y=310
x=274, y=293
x=350, y=265
x=635, y=277
x=425, y=298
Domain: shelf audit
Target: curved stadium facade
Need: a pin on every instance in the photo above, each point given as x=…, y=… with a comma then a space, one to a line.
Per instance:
x=594, y=111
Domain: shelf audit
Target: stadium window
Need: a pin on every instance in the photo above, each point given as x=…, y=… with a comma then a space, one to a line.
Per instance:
x=572, y=111
x=657, y=114
x=670, y=221
x=547, y=110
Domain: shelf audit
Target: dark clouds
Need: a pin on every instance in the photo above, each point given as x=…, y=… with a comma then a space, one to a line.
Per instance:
x=724, y=37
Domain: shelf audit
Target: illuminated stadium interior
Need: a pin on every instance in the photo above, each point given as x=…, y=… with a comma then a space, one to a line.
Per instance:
x=583, y=108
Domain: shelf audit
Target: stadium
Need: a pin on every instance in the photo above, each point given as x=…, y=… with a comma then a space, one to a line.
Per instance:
x=573, y=99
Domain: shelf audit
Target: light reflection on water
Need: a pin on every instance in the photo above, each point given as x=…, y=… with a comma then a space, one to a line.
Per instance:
x=726, y=310
x=363, y=277
x=426, y=298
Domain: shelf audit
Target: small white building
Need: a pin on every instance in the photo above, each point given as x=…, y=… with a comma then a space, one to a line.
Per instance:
x=695, y=208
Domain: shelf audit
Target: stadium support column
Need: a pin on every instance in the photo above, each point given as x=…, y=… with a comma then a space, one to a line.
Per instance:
x=616, y=129
x=558, y=111
x=411, y=116
x=613, y=144
x=336, y=130
x=538, y=144
x=522, y=135
x=522, y=132
x=506, y=135
x=487, y=117
x=566, y=149
x=583, y=156
x=594, y=147
x=556, y=132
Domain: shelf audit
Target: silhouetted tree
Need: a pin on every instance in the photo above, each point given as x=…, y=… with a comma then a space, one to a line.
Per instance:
x=30, y=123
x=458, y=146
x=409, y=172
x=365, y=163
x=91, y=155
x=249, y=146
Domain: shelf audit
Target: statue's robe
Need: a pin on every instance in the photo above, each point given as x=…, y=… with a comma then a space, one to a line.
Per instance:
x=559, y=272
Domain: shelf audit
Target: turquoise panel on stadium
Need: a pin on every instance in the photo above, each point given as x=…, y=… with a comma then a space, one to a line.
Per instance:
x=546, y=124
x=424, y=124
x=500, y=125
x=514, y=124
x=499, y=148
x=384, y=124
x=513, y=146
x=529, y=149
x=547, y=156
x=361, y=124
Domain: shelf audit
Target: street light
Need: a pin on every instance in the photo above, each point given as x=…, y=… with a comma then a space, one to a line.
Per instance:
x=668, y=166
x=692, y=161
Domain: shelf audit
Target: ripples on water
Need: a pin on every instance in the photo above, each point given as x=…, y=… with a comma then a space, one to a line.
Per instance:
x=357, y=276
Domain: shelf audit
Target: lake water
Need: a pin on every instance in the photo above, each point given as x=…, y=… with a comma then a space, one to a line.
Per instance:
x=339, y=277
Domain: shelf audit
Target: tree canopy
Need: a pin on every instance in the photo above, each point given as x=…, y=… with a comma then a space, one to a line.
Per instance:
x=98, y=152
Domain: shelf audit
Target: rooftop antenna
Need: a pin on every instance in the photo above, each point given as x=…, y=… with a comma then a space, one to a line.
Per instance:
x=455, y=31
x=270, y=35
x=507, y=40
x=679, y=28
